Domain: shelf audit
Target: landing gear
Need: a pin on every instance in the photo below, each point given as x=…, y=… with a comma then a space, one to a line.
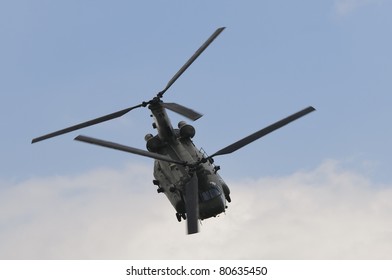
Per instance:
x=155, y=182
x=160, y=190
x=180, y=216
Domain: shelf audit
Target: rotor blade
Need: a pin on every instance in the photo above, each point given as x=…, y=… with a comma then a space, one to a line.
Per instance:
x=128, y=149
x=192, y=204
x=191, y=60
x=86, y=124
x=182, y=110
x=249, y=139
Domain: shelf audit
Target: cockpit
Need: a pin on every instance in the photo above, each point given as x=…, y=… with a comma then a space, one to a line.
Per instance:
x=212, y=192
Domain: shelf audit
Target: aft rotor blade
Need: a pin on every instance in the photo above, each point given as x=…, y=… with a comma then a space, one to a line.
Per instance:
x=128, y=149
x=182, y=110
x=86, y=124
x=192, y=204
x=191, y=60
x=249, y=139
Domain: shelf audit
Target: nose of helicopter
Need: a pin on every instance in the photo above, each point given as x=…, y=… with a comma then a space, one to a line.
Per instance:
x=212, y=207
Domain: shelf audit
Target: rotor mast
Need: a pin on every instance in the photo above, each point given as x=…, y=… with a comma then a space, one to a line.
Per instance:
x=162, y=122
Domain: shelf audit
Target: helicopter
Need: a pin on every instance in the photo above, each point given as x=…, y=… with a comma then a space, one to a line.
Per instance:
x=185, y=174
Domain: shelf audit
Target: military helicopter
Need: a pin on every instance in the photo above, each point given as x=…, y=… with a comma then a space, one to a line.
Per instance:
x=186, y=175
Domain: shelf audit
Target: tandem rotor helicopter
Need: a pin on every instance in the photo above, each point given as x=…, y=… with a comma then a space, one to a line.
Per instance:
x=185, y=174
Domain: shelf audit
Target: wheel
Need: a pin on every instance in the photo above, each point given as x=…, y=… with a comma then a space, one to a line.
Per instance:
x=155, y=182
x=160, y=190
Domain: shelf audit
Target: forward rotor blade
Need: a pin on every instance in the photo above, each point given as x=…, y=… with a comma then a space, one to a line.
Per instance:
x=127, y=149
x=192, y=204
x=182, y=110
x=191, y=60
x=86, y=124
x=249, y=139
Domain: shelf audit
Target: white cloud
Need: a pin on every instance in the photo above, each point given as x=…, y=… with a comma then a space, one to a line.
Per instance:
x=116, y=214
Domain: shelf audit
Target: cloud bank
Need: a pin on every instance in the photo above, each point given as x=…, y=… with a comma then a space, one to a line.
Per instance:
x=325, y=213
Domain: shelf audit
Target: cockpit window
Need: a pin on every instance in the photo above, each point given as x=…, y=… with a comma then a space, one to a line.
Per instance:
x=211, y=193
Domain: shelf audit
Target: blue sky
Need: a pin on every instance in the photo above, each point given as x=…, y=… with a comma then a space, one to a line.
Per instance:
x=65, y=62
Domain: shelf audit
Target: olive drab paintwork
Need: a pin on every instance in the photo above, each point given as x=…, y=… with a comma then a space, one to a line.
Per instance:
x=171, y=178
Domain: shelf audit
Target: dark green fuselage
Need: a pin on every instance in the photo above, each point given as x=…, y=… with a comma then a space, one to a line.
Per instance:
x=171, y=178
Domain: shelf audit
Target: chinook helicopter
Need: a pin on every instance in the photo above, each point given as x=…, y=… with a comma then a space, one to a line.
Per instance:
x=186, y=175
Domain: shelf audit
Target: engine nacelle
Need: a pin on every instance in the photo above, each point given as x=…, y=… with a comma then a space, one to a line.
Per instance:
x=186, y=130
x=153, y=143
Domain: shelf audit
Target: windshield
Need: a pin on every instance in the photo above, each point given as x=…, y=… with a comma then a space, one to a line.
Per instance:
x=211, y=193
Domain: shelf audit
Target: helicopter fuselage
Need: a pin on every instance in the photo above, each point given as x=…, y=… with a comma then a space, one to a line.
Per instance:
x=171, y=178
